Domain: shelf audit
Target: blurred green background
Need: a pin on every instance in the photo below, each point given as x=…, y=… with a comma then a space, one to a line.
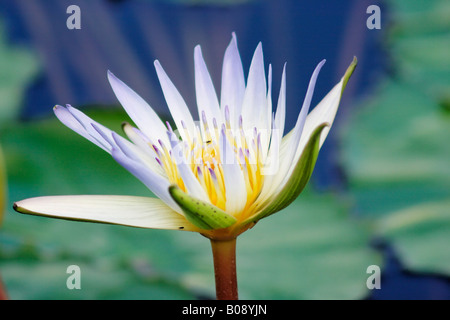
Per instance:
x=380, y=193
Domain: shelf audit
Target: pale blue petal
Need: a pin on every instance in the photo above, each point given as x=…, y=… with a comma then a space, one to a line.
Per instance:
x=177, y=106
x=139, y=111
x=80, y=126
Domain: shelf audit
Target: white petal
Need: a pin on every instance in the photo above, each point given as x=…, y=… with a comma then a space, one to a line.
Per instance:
x=177, y=106
x=139, y=111
x=325, y=111
x=273, y=164
x=132, y=211
x=298, y=129
x=235, y=190
x=233, y=82
x=254, y=103
x=206, y=94
x=288, y=157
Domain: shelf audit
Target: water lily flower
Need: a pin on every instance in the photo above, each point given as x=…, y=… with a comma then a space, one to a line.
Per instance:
x=217, y=176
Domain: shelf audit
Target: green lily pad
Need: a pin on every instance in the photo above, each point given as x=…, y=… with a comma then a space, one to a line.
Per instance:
x=395, y=146
x=413, y=229
x=397, y=158
x=46, y=280
x=18, y=66
x=401, y=137
x=419, y=26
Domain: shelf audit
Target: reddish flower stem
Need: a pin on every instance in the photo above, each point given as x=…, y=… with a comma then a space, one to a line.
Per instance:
x=224, y=255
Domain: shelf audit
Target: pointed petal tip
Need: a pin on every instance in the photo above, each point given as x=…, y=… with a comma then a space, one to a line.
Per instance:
x=258, y=51
x=110, y=75
x=113, y=79
x=16, y=207
x=233, y=39
x=60, y=111
x=198, y=56
x=320, y=64
x=198, y=50
x=159, y=70
x=349, y=72
x=19, y=207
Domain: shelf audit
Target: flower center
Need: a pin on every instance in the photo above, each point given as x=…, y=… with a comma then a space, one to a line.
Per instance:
x=207, y=163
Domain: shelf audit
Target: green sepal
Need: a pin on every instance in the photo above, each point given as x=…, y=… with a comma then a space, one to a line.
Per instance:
x=202, y=214
x=348, y=74
x=299, y=177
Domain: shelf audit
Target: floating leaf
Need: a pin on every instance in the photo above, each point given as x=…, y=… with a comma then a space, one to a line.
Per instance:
x=395, y=146
x=413, y=229
x=17, y=67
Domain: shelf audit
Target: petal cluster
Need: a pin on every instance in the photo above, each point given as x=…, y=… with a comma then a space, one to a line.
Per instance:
x=224, y=171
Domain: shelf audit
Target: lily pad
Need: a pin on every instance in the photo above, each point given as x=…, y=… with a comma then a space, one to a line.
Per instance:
x=417, y=27
x=413, y=229
x=398, y=160
x=395, y=145
x=18, y=66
